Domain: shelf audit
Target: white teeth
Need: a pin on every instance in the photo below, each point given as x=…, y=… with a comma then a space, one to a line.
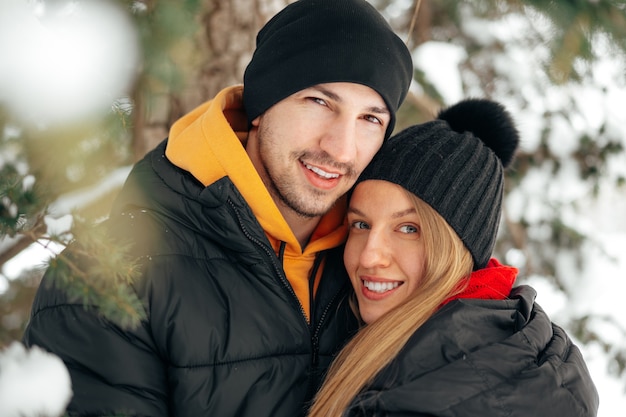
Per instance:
x=380, y=287
x=320, y=172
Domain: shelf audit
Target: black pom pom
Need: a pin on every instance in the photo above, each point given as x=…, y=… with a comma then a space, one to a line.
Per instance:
x=487, y=120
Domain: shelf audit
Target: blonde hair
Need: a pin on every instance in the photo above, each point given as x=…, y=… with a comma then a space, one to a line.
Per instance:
x=447, y=268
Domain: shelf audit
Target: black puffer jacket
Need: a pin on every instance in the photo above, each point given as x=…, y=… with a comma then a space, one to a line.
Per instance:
x=484, y=358
x=225, y=334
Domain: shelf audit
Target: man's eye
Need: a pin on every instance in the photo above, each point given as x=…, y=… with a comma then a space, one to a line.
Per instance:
x=318, y=100
x=408, y=228
x=374, y=119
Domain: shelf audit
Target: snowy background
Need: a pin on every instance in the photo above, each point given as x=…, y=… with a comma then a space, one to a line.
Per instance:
x=598, y=289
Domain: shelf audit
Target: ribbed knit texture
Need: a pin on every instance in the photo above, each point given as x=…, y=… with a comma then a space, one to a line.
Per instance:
x=321, y=41
x=455, y=173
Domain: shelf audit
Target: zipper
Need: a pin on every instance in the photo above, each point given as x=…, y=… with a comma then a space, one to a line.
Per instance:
x=316, y=267
x=273, y=259
x=314, y=334
x=316, y=328
x=281, y=252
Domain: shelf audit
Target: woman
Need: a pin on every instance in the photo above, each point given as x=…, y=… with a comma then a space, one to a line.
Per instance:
x=445, y=333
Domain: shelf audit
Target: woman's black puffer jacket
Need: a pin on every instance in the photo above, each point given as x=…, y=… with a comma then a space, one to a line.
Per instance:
x=492, y=358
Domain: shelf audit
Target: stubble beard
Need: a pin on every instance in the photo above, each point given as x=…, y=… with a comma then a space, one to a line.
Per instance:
x=306, y=202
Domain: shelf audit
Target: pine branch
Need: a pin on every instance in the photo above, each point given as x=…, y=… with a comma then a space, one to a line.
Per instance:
x=98, y=272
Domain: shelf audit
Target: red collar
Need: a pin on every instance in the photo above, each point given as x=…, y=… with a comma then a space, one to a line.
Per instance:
x=493, y=282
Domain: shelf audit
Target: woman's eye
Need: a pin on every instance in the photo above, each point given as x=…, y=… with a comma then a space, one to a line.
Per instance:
x=408, y=228
x=359, y=225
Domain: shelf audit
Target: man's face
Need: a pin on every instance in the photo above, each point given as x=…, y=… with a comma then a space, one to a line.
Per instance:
x=310, y=147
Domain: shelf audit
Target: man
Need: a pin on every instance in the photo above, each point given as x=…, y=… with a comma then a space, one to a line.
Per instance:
x=233, y=218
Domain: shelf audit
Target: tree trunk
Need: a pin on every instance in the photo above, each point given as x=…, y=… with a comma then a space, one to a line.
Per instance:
x=222, y=49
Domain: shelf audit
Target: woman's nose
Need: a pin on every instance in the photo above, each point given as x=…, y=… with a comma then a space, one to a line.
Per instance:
x=376, y=252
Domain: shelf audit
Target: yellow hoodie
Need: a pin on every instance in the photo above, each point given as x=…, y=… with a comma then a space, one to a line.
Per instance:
x=209, y=142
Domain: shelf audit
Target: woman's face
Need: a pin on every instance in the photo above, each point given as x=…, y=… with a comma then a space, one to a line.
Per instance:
x=385, y=254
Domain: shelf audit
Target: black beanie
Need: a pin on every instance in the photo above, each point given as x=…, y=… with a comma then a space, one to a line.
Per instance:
x=322, y=41
x=456, y=165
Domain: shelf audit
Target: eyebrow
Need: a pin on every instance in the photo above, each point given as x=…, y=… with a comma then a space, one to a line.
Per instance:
x=334, y=96
x=396, y=215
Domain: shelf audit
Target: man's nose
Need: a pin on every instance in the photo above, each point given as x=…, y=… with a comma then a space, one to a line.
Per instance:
x=340, y=142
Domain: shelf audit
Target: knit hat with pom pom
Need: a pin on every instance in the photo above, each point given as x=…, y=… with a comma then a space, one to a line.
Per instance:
x=455, y=164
